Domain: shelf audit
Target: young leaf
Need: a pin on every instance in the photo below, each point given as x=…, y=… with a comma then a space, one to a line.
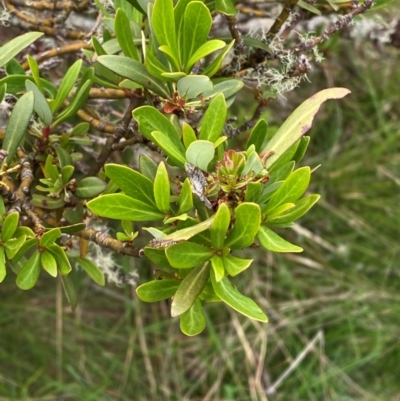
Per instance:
x=29, y=274
x=185, y=198
x=16, y=45
x=218, y=267
x=220, y=226
x=60, y=256
x=92, y=270
x=291, y=190
x=215, y=65
x=89, y=187
x=48, y=263
x=197, y=23
x=193, y=322
x=162, y=190
x=187, y=254
x=189, y=289
x=188, y=134
x=157, y=290
x=25, y=247
x=17, y=124
x=298, y=123
x=234, y=265
x=186, y=233
x=203, y=51
x=3, y=271
x=124, y=35
x=258, y=135
x=232, y=297
x=200, y=153
x=273, y=242
x=173, y=148
x=49, y=237
x=214, y=119
x=247, y=223
x=3, y=91
x=135, y=71
x=12, y=246
x=10, y=224
x=40, y=104
x=123, y=207
x=134, y=184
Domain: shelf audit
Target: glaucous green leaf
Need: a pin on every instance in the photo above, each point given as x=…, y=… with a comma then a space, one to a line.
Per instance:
x=17, y=125
x=291, y=190
x=189, y=289
x=247, y=223
x=258, y=135
x=200, y=153
x=40, y=104
x=214, y=119
x=124, y=35
x=204, y=50
x=48, y=262
x=191, y=86
x=16, y=45
x=135, y=71
x=3, y=271
x=10, y=224
x=92, y=270
x=187, y=254
x=218, y=266
x=228, y=88
x=234, y=265
x=157, y=290
x=302, y=206
x=232, y=297
x=12, y=246
x=193, y=321
x=273, y=242
x=298, y=123
x=49, y=237
x=162, y=189
x=185, y=198
x=69, y=290
x=61, y=257
x=220, y=226
x=89, y=187
x=123, y=207
x=134, y=184
x=29, y=274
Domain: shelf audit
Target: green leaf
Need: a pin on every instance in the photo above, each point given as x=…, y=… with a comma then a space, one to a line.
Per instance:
x=220, y=226
x=218, y=267
x=258, y=135
x=3, y=271
x=298, y=123
x=234, y=265
x=173, y=148
x=193, y=322
x=29, y=274
x=3, y=91
x=134, y=184
x=279, y=210
x=291, y=190
x=123, y=207
x=61, y=257
x=98, y=48
x=40, y=104
x=188, y=134
x=247, y=223
x=172, y=58
x=200, y=153
x=49, y=263
x=157, y=290
x=232, y=297
x=124, y=35
x=66, y=85
x=214, y=119
x=162, y=189
x=92, y=270
x=215, y=65
x=12, y=246
x=253, y=192
x=191, y=86
x=225, y=7
x=301, y=149
x=189, y=289
x=156, y=68
x=66, y=173
x=16, y=45
x=302, y=206
x=70, y=292
x=197, y=23
x=2, y=209
x=148, y=167
x=13, y=67
x=89, y=187
x=203, y=51
x=50, y=237
x=17, y=125
x=135, y=71
x=64, y=158
x=157, y=256
x=273, y=242
x=10, y=224
x=46, y=202
x=187, y=254
x=185, y=198
x=189, y=232
x=23, y=250
x=309, y=7
x=73, y=229
x=228, y=88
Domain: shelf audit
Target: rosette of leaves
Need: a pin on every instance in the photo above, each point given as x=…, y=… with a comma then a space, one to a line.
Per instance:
x=228, y=201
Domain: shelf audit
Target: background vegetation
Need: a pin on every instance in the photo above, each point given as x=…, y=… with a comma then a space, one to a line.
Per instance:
x=334, y=310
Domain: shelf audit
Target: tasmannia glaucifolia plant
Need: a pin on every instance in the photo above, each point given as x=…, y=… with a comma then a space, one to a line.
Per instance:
x=163, y=179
